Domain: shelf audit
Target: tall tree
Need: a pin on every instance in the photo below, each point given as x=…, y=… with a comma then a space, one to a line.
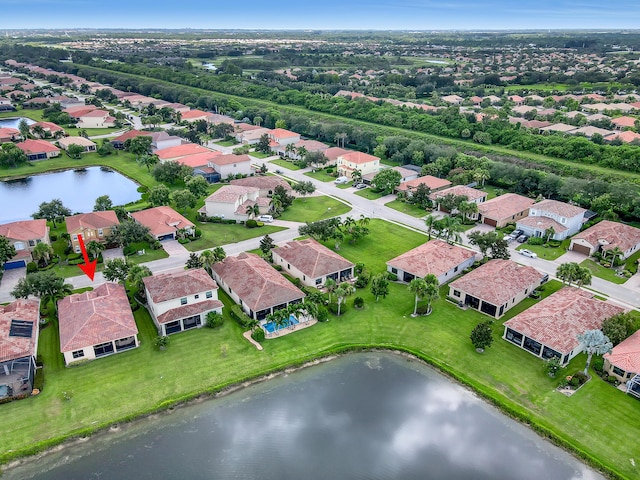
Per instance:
x=304, y=188
x=159, y=195
x=197, y=185
x=252, y=210
x=116, y=270
x=387, y=181
x=139, y=146
x=184, y=199
x=594, y=342
x=7, y=251
x=418, y=287
x=342, y=292
x=94, y=249
x=266, y=245
x=148, y=160
x=380, y=286
x=42, y=251
x=103, y=203
x=52, y=211
x=47, y=286
x=135, y=276
x=429, y=221
x=127, y=232
x=263, y=144
x=193, y=261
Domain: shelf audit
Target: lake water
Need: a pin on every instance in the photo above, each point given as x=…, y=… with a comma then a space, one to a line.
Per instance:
x=365, y=416
x=14, y=122
x=78, y=190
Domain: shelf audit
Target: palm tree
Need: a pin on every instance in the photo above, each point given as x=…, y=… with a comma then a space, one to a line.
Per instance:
x=135, y=276
x=429, y=221
x=451, y=228
x=567, y=272
x=356, y=176
x=614, y=253
x=253, y=210
x=364, y=221
x=275, y=205
x=208, y=259
x=219, y=254
x=549, y=232
x=480, y=175
x=42, y=251
x=290, y=149
x=583, y=276
x=330, y=286
x=418, y=287
x=343, y=291
x=148, y=161
x=94, y=249
x=309, y=308
x=467, y=208
x=432, y=292
x=302, y=151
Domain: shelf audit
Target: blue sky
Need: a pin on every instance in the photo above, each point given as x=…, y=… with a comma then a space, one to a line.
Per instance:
x=325, y=14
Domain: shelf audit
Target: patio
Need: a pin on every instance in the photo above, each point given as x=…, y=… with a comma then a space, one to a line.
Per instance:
x=304, y=322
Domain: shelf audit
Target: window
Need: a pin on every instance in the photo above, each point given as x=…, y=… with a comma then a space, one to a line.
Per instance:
x=618, y=371
x=100, y=232
x=563, y=220
x=18, y=246
x=288, y=266
x=196, y=296
x=455, y=269
x=304, y=277
x=78, y=354
x=75, y=237
x=318, y=281
x=209, y=294
x=183, y=301
x=394, y=271
x=32, y=243
x=78, y=250
x=456, y=293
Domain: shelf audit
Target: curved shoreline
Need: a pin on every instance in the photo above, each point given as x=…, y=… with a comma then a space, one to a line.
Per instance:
x=505, y=406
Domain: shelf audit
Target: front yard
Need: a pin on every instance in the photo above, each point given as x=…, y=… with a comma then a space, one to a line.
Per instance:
x=313, y=209
x=216, y=234
x=605, y=273
x=285, y=164
x=369, y=194
x=548, y=253
x=407, y=208
x=321, y=175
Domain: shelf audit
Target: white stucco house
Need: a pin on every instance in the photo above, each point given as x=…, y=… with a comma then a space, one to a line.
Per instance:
x=565, y=219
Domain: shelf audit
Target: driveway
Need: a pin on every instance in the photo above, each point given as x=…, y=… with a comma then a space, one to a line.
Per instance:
x=112, y=253
x=571, y=256
x=174, y=248
x=9, y=281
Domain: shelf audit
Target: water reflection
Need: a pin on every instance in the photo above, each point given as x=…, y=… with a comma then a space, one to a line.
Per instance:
x=363, y=416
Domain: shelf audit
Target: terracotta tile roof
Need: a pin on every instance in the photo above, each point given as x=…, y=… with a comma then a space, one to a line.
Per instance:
x=91, y=220
x=332, y=153
x=130, y=134
x=626, y=355
x=459, y=190
x=557, y=320
x=624, y=121
x=312, y=258
x=434, y=183
x=280, y=133
x=498, y=281
x=180, y=151
x=169, y=286
x=25, y=229
x=162, y=220
x=245, y=127
x=269, y=182
x=13, y=347
x=505, y=206
x=312, y=145
x=199, y=159
x=541, y=223
x=626, y=137
x=358, y=157
x=194, y=114
x=94, y=317
x=436, y=257
x=83, y=142
x=559, y=208
x=230, y=194
x=36, y=146
x=47, y=126
x=256, y=282
x=189, y=310
x=230, y=159
x=77, y=112
x=95, y=113
x=559, y=127
x=610, y=235
x=9, y=132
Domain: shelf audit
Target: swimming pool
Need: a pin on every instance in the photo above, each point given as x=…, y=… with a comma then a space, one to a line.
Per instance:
x=272, y=327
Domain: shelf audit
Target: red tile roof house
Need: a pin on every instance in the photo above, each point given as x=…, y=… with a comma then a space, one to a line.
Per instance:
x=96, y=119
x=181, y=151
x=231, y=165
x=38, y=149
x=85, y=143
x=312, y=262
x=232, y=201
x=551, y=327
x=19, y=328
x=9, y=135
x=406, y=173
x=437, y=257
x=434, y=184
x=349, y=162
x=605, y=236
x=163, y=222
x=266, y=185
x=118, y=142
x=496, y=286
x=565, y=219
x=471, y=194
x=24, y=235
x=332, y=154
x=181, y=301
x=624, y=360
x=621, y=123
x=49, y=128
x=195, y=115
x=309, y=145
x=504, y=209
x=93, y=226
x=96, y=324
x=283, y=137
x=255, y=285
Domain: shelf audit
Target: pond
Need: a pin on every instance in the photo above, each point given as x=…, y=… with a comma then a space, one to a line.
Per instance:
x=78, y=190
x=369, y=415
x=14, y=122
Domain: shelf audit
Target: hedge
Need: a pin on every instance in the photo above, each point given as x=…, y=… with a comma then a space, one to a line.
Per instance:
x=239, y=316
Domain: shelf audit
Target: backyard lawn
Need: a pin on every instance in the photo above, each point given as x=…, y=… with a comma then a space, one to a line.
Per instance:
x=605, y=273
x=548, y=253
x=407, y=208
x=312, y=209
x=285, y=164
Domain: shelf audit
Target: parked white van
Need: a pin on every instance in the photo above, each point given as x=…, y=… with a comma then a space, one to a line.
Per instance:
x=341, y=180
x=265, y=218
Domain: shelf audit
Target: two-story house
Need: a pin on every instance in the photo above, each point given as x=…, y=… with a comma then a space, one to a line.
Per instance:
x=163, y=222
x=349, y=162
x=181, y=301
x=233, y=202
x=24, y=236
x=93, y=226
x=551, y=216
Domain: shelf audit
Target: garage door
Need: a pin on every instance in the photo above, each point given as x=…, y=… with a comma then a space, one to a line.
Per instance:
x=581, y=249
x=490, y=221
x=166, y=237
x=16, y=264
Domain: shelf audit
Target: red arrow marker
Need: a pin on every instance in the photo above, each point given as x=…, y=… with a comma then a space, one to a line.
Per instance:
x=89, y=268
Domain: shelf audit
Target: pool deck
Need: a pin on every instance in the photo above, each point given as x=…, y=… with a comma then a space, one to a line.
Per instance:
x=292, y=328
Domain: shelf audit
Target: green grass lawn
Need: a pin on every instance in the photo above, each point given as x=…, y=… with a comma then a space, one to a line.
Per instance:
x=116, y=388
x=369, y=194
x=548, y=253
x=407, y=208
x=312, y=209
x=216, y=234
x=149, y=255
x=285, y=164
x=227, y=143
x=605, y=273
x=321, y=175
x=35, y=115
x=94, y=131
x=261, y=155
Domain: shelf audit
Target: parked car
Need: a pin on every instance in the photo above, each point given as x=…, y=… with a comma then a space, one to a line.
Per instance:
x=265, y=218
x=515, y=234
x=360, y=186
x=527, y=253
x=278, y=171
x=523, y=238
x=341, y=180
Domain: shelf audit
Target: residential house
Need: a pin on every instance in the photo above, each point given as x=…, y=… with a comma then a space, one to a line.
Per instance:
x=559, y=128
x=406, y=175
x=195, y=115
x=231, y=164
x=163, y=222
x=471, y=194
x=332, y=154
x=434, y=184
x=217, y=119
x=436, y=257
x=507, y=208
x=312, y=262
x=250, y=134
x=309, y=146
x=452, y=99
x=621, y=123
x=266, y=185
x=496, y=286
x=283, y=137
x=624, y=360
x=119, y=141
x=606, y=236
x=173, y=154
x=95, y=324
x=95, y=119
x=50, y=129
x=162, y=140
x=24, y=235
x=181, y=301
x=9, y=135
x=589, y=131
x=550, y=328
x=255, y=285
x=38, y=149
x=565, y=219
x=93, y=226
x=626, y=137
x=85, y=143
x=349, y=162
x=232, y=202
x=19, y=328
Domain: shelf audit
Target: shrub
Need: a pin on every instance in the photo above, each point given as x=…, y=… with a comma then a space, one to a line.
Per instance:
x=510, y=227
x=611, y=379
x=162, y=341
x=65, y=235
x=182, y=241
x=278, y=267
x=323, y=314
x=535, y=241
x=552, y=366
x=197, y=233
x=251, y=223
x=392, y=277
x=574, y=382
x=32, y=267
x=329, y=170
x=74, y=256
x=53, y=237
x=362, y=281
x=554, y=243
x=482, y=335
x=38, y=381
x=257, y=334
x=156, y=245
x=239, y=316
x=598, y=364
x=582, y=378
x=214, y=320
x=297, y=282
x=359, y=268
x=358, y=302
x=333, y=308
